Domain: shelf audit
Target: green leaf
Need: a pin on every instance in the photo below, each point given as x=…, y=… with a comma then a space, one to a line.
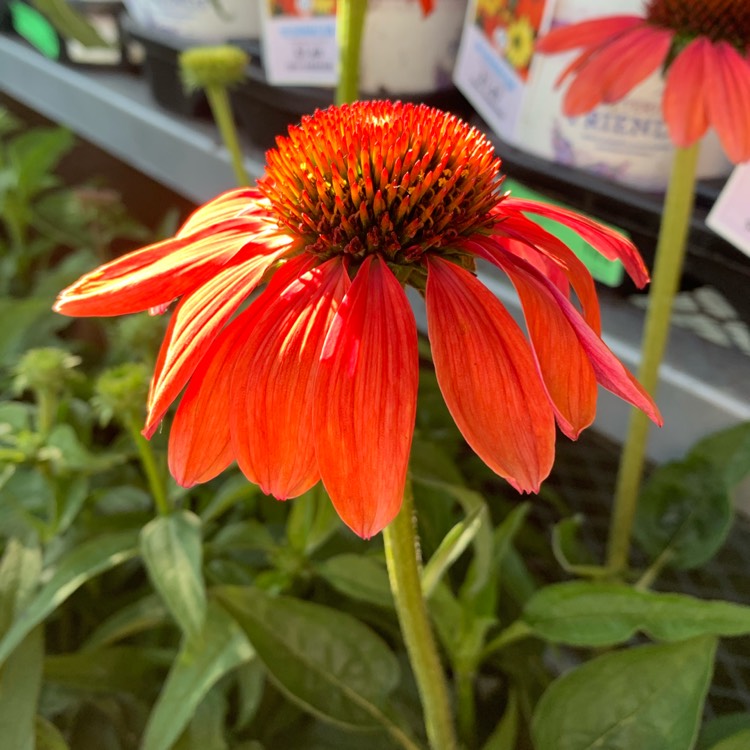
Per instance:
x=19, y=574
x=67, y=575
x=143, y=614
x=312, y=520
x=68, y=453
x=728, y=451
x=34, y=154
x=207, y=726
x=649, y=698
x=48, y=736
x=364, y=579
x=251, y=682
x=685, y=508
x=721, y=728
x=582, y=613
x=570, y=553
x=739, y=741
x=20, y=682
x=505, y=735
x=218, y=649
x=171, y=548
x=69, y=22
x=131, y=669
x=330, y=663
x=452, y=546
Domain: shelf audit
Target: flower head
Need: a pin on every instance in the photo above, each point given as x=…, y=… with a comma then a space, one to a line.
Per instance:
x=704, y=48
x=317, y=377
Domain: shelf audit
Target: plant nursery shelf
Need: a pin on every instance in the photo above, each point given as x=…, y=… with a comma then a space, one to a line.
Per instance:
x=703, y=387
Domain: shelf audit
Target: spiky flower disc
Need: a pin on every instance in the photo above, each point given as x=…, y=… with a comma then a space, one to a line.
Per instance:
x=382, y=178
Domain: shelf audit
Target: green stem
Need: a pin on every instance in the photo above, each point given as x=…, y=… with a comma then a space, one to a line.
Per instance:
x=46, y=403
x=402, y=558
x=218, y=100
x=350, y=24
x=670, y=254
x=148, y=461
x=466, y=706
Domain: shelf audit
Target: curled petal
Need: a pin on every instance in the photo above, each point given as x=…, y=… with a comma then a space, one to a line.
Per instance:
x=685, y=93
x=226, y=206
x=157, y=274
x=517, y=226
x=594, y=32
x=488, y=377
x=611, y=244
x=728, y=99
x=273, y=382
x=609, y=371
x=195, y=323
x=365, y=400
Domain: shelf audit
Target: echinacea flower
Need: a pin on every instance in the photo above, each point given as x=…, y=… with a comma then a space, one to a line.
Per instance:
x=704, y=47
x=317, y=377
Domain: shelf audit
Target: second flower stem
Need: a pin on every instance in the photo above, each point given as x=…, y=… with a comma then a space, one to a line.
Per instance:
x=402, y=558
x=218, y=100
x=670, y=255
x=148, y=462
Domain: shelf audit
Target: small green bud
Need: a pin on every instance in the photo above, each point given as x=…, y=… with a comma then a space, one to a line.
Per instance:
x=47, y=370
x=204, y=67
x=121, y=392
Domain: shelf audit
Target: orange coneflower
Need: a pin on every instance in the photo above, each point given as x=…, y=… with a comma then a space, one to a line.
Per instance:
x=317, y=377
x=704, y=46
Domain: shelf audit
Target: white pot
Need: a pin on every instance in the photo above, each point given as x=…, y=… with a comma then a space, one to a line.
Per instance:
x=627, y=141
x=199, y=20
x=404, y=52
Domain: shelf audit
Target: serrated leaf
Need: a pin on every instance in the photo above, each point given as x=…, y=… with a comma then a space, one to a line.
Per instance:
x=218, y=649
x=326, y=660
x=649, y=697
x=81, y=564
x=171, y=547
x=364, y=579
x=582, y=613
x=684, y=508
x=20, y=682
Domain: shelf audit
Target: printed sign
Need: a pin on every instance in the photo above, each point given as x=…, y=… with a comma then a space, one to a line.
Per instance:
x=497, y=48
x=299, y=42
x=730, y=216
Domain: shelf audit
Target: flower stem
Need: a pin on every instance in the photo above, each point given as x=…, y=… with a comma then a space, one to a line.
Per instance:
x=670, y=255
x=218, y=100
x=402, y=558
x=466, y=705
x=148, y=461
x=350, y=24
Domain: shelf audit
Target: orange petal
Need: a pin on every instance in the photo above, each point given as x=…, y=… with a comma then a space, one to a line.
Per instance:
x=273, y=382
x=199, y=443
x=488, y=377
x=685, y=91
x=590, y=33
x=226, y=206
x=608, y=242
x=609, y=371
x=195, y=323
x=156, y=274
x=516, y=225
x=365, y=402
x=563, y=362
x=728, y=99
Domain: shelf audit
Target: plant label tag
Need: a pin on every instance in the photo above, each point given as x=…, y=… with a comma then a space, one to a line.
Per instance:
x=496, y=52
x=299, y=43
x=730, y=216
